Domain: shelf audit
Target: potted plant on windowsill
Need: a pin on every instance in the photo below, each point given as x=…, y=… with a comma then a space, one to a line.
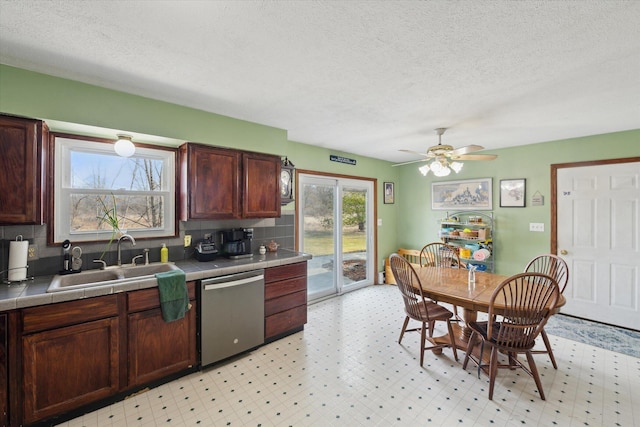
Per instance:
x=110, y=218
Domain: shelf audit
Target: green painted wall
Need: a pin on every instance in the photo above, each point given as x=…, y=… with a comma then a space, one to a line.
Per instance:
x=37, y=95
x=514, y=243
x=409, y=222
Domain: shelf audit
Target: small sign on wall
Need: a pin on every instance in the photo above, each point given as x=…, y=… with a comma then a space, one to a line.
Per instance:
x=537, y=199
x=341, y=159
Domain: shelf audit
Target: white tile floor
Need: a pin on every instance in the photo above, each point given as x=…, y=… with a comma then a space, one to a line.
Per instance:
x=346, y=368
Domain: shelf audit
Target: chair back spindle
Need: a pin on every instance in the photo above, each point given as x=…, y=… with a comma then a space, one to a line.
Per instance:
x=551, y=265
x=523, y=303
x=439, y=254
x=409, y=286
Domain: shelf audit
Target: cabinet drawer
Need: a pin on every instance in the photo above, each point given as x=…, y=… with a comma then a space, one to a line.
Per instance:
x=146, y=299
x=288, y=271
x=68, y=313
x=285, y=321
x=276, y=305
x=285, y=287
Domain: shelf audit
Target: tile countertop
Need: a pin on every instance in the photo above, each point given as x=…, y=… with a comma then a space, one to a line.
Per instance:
x=34, y=292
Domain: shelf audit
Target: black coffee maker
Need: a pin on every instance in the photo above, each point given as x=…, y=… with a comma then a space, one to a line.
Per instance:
x=237, y=242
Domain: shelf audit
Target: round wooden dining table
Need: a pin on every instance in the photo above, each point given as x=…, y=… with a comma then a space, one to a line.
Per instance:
x=451, y=285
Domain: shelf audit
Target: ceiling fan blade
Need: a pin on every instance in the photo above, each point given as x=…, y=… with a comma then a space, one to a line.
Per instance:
x=428, y=155
x=475, y=157
x=464, y=150
x=410, y=162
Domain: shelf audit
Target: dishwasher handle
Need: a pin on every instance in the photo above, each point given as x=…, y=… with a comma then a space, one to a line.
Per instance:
x=231, y=283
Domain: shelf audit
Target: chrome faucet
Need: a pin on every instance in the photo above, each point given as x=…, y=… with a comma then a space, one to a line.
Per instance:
x=124, y=237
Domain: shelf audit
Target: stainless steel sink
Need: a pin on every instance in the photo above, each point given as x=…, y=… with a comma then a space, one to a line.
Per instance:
x=109, y=277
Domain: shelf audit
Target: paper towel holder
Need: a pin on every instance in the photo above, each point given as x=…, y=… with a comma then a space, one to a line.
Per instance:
x=19, y=238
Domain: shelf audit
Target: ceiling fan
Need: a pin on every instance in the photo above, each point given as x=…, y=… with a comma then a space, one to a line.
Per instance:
x=445, y=157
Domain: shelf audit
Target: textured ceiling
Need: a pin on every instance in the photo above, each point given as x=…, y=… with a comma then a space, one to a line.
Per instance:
x=364, y=77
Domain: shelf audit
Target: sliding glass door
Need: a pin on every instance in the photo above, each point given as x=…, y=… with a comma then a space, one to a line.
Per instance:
x=336, y=227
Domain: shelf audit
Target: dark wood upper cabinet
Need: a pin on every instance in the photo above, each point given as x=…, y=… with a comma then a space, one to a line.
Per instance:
x=261, y=195
x=210, y=182
x=220, y=183
x=21, y=173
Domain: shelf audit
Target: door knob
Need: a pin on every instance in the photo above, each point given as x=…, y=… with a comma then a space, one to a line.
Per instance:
x=563, y=252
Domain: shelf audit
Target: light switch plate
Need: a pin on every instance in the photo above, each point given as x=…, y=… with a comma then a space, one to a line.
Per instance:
x=536, y=226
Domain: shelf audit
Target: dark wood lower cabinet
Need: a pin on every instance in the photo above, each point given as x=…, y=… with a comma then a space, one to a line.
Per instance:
x=285, y=305
x=4, y=379
x=157, y=348
x=69, y=367
x=59, y=358
x=81, y=352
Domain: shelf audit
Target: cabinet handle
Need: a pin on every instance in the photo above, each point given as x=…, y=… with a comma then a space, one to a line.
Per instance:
x=563, y=252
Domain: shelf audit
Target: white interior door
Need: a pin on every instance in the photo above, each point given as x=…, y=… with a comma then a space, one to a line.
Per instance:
x=598, y=233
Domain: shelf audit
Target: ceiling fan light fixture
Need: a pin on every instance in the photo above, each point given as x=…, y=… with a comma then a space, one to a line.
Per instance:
x=124, y=146
x=439, y=167
x=456, y=166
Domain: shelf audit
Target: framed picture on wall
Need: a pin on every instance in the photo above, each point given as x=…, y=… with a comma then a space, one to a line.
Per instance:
x=389, y=193
x=512, y=193
x=470, y=194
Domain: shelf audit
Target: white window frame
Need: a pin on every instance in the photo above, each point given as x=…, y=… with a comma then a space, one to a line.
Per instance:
x=63, y=191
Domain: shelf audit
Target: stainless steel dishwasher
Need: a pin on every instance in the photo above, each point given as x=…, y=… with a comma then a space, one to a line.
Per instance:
x=232, y=315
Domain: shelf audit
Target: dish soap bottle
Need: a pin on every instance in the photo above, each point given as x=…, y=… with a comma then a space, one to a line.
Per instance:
x=164, y=253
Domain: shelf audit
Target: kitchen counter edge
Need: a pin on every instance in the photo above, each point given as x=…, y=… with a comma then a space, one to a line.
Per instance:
x=34, y=292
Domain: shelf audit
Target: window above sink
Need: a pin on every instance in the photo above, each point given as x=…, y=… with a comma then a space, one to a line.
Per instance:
x=140, y=188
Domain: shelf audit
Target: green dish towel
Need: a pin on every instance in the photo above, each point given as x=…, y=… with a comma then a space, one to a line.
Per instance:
x=174, y=298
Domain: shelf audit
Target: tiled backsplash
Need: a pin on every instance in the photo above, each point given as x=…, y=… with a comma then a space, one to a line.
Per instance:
x=49, y=258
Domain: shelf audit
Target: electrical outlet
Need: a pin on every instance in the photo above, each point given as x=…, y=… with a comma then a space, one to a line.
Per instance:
x=32, y=252
x=379, y=222
x=536, y=226
x=187, y=240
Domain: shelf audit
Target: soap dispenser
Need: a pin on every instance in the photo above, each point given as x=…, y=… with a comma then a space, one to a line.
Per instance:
x=66, y=258
x=164, y=253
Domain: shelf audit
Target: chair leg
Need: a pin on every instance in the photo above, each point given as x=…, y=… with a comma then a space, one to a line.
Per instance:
x=423, y=339
x=534, y=373
x=493, y=370
x=480, y=358
x=404, y=328
x=469, y=349
x=452, y=339
x=432, y=324
x=455, y=314
x=547, y=344
x=512, y=360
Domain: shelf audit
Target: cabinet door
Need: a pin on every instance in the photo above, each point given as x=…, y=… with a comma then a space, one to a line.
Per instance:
x=4, y=385
x=158, y=348
x=261, y=195
x=20, y=170
x=213, y=183
x=69, y=367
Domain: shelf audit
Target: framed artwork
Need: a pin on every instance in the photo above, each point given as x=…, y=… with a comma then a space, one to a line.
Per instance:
x=512, y=193
x=389, y=193
x=470, y=194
